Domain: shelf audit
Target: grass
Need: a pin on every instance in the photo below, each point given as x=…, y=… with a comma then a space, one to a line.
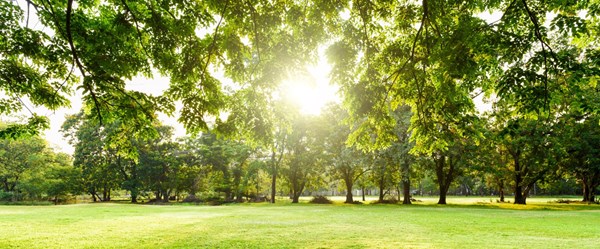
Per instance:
x=460, y=225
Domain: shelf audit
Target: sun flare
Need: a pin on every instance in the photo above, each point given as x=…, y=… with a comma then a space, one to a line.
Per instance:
x=311, y=91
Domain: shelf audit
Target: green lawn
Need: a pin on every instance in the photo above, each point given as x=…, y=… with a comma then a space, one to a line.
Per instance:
x=537, y=225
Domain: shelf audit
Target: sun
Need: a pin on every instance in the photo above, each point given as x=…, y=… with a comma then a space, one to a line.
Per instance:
x=311, y=91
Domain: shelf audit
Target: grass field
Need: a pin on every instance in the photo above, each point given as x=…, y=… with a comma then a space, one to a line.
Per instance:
x=469, y=223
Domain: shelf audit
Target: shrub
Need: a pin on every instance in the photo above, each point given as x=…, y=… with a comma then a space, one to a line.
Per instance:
x=391, y=200
x=319, y=199
x=6, y=196
x=191, y=198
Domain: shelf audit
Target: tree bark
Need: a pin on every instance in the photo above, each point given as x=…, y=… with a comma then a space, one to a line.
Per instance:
x=381, y=191
x=134, y=188
x=406, y=191
x=501, y=190
x=363, y=193
x=444, y=179
x=273, y=184
x=349, y=184
x=585, y=191
x=406, y=183
x=442, y=199
x=519, y=197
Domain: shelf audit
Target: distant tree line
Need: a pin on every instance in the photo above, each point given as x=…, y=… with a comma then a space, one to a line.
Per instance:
x=309, y=156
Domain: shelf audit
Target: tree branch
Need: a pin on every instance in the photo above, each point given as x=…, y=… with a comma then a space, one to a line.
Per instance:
x=137, y=28
x=76, y=59
x=214, y=41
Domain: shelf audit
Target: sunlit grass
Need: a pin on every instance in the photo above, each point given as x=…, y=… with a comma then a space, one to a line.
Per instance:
x=464, y=224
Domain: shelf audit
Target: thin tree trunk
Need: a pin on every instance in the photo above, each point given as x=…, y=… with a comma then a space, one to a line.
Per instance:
x=363, y=193
x=501, y=190
x=443, y=179
x=406, y=191
x=406, y=183
x=273, y=184
x=381, y=192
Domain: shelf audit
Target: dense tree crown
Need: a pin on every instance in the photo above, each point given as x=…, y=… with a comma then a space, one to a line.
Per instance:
x=408, y=73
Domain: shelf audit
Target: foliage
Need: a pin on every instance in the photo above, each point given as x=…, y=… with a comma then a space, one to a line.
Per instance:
x=428, y=60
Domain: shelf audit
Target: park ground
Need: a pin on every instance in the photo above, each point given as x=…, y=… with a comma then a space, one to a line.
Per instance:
x=476, y=222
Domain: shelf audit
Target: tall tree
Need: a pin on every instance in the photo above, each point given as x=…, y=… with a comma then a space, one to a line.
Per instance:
x=99, y=158
x=305, y=155
x=347, y=163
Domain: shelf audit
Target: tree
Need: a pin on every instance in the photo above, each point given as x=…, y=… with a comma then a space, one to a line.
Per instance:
x=582, y=146
x=100, y=164
x=18, y=159
x=531, y=147
x=347, y=163
x=156, y=168
x=401, y=148
x=305, y=155
x=61, y=178
x=384, y=172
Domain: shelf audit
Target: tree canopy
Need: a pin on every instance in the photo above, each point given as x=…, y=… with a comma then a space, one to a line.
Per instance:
x=535, y=61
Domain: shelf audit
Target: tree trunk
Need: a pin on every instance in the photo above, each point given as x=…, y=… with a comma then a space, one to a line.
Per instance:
x=442, y=199
x=519, y=196
x=295, y=197
x=349, y=184
x=363, y=193
x=165, y=196
x=444, y=179
x=586, y=191
x=381, y=192
x=273, y=184
x=406, y=183
x=106, y=194
x=134, y=187
x=406, y=191
x=501, y=190
x=237, y=181
x=97, y=197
